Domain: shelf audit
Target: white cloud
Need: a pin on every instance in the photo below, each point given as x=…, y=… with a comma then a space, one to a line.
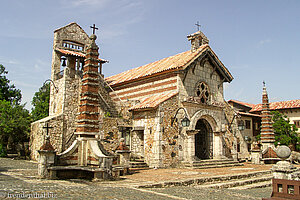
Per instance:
x=274, y=99
x=9, y=61
x=41, y=65
x=99, y=3
x=20, y=84
x=262, y=42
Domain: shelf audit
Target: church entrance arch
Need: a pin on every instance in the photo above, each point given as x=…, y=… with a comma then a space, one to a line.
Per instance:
x=203, y=140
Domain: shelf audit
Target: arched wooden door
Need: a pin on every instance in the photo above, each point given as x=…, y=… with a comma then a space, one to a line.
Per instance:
x=203, y=140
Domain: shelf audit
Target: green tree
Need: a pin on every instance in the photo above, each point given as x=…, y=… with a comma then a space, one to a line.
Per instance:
x=14, y=118
x=8, y=92
x=14, y=121
x=40, y=103
x=285, y=133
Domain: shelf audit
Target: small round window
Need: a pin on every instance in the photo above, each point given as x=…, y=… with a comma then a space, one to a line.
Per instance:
x=202, y=91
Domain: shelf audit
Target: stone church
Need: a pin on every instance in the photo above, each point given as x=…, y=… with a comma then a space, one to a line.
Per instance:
x=169, y=112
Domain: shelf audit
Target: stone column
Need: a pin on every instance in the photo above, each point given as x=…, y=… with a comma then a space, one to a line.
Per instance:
x=190, y=144
x=217, y=145
x=157, y=146
x=88, y=118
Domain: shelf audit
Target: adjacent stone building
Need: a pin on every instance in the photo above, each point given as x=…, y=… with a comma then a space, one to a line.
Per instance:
x=146, y=105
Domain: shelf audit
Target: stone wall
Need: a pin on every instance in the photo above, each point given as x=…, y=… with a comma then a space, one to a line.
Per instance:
x=110, y=132
x=146, y=119
x=161, y=145
x=71, y=102
x=63, y=116
x=57, y=97
x=38, y=133
x=170, y=134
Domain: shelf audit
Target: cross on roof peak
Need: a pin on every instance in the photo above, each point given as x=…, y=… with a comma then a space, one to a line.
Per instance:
x=198, y=25
x=94, y=28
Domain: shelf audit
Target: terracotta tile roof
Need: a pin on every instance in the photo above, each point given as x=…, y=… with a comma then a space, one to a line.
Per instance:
x=250, y=105
x=249, y=114
x=176, y=62
x=75, y=53
x=153, y=101
x=278, y=105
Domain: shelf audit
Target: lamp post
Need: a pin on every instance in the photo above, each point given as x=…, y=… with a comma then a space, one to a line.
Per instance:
x=185, y=122
x=241, y=125
x=235, y=115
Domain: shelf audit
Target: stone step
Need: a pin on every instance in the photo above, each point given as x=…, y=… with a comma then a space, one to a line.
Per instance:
x=208, y=180
x=254, y=185
x=139, y=164
x=138, y=160
x=214, y=163
x=236, y=183
x=217, y=166
x=138, y=169
x=213, y=160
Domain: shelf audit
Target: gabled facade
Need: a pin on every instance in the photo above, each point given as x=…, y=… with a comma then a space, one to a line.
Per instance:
x=146, y=105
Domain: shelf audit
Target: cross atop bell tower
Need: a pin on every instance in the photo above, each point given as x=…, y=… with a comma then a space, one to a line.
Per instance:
x=94, y=28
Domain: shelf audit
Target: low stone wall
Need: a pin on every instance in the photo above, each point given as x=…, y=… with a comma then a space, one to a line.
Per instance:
x=38, y=133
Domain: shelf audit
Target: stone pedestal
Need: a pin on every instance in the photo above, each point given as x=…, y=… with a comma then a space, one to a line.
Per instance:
x=124, y=156
x=46, y=159
x=256, y=155
x=285, y=170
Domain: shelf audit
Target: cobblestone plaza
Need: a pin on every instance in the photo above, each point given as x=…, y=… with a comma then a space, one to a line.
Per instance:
x=18, y=179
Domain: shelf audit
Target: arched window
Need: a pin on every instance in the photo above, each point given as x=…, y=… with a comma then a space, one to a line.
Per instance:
x=202, y=91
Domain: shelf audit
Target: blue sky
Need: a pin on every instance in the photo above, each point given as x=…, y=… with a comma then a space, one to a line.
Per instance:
x=256, y=40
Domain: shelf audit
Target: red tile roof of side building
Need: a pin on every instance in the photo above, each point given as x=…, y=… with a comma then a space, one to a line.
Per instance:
x=250, y=105
x=278, y=105
x=249, y=114
x=172, y=63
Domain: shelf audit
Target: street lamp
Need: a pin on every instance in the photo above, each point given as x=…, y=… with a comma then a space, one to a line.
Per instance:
x=241, y=125
x=185, y=122
x=247, y=139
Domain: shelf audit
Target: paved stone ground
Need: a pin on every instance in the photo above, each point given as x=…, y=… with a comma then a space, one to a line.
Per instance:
x=18, y=178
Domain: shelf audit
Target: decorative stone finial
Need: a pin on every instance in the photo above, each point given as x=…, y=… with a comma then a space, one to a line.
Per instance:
x=283, y=152
x=93, y=37
x=264, y=88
